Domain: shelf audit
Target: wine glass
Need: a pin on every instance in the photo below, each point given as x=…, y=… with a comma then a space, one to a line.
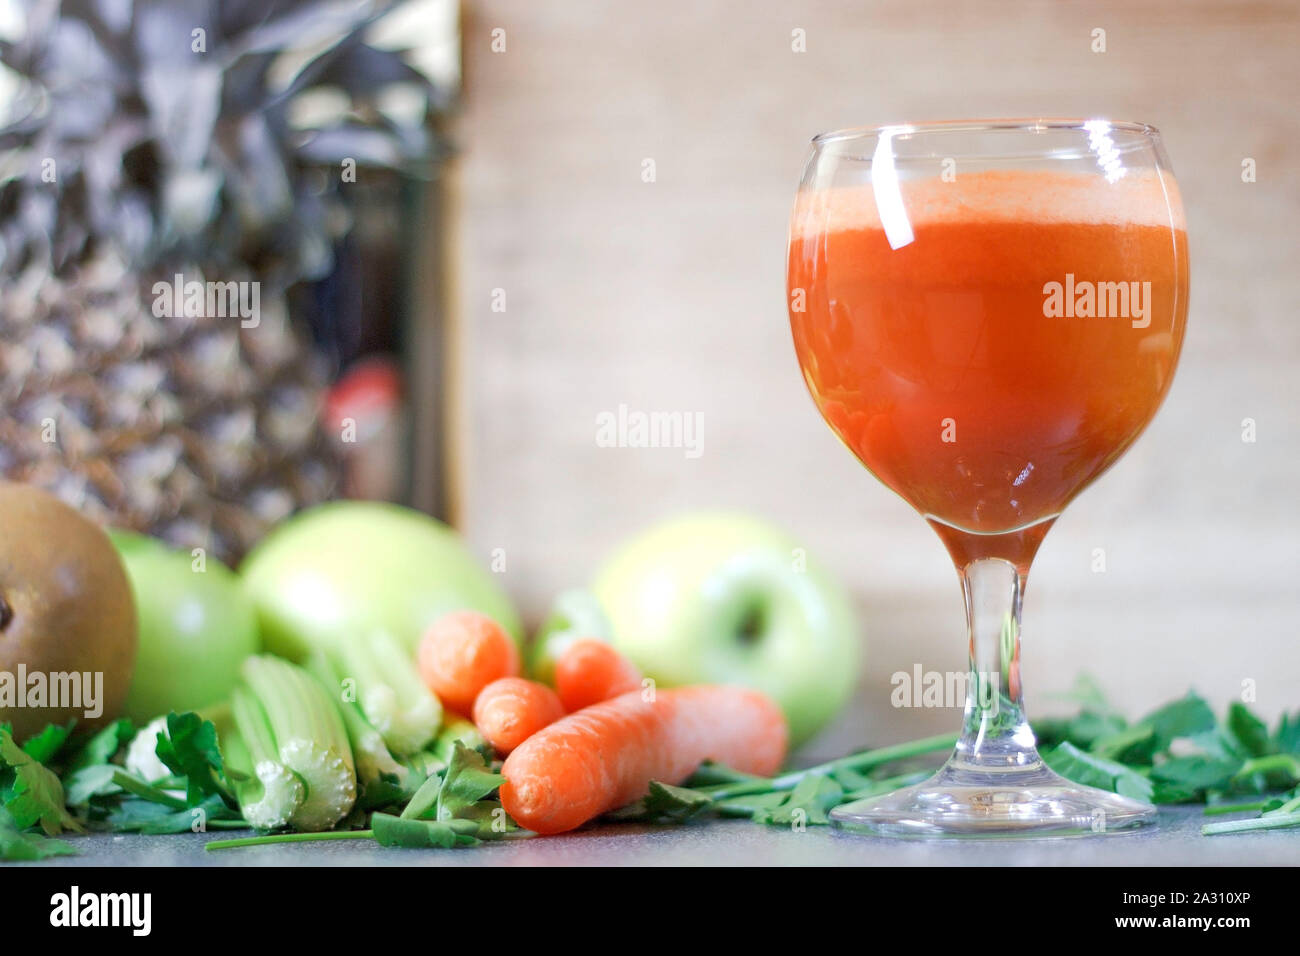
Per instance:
x=988, y=313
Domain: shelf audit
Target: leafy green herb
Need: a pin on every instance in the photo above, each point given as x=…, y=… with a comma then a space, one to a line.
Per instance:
x=400, y=832
x=44, y=746
x=425, y=799
x=1286, y=738
x=1185, y=717
x=466, y=781
x=103, y=746
x=1195, y=774
x=809, y=803
x=212, y=813
x=33, y=794
x=189, y=749
x=665, y=804
x=1249, y=731
x=1093, y=771
x=18, y=845
x=750, y=804
x=88, y=782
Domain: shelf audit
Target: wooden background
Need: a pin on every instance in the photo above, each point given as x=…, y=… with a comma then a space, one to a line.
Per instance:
x=669, y=296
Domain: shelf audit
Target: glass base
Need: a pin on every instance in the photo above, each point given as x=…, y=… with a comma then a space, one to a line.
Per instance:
x=969, y=802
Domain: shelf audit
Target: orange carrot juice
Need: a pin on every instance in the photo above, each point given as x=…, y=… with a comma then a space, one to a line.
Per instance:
x=1004, y=351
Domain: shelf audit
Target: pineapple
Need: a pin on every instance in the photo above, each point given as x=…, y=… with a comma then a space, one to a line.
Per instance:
x=159, y=143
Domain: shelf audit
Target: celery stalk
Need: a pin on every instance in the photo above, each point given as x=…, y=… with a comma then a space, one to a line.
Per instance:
x=389, y=692
x=298, y=748
x=271, y=793
x=369, y=750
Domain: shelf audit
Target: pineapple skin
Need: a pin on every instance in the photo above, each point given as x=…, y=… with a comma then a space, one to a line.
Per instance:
x=192, y=429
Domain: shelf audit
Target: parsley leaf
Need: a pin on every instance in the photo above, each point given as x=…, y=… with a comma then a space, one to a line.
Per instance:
x=424, y=799
x=189, y=749
x=399, y=832
x=1196, y=773
x=103, y=746
x=35, y=794
x=93, y=781
x=1286, y=739
x=466, y=781
x=1093, y=771
x=1185, y=717
x=48, y=742
x=1248, y=731
x=809, y=802
x=17, y=845
x=665, y=804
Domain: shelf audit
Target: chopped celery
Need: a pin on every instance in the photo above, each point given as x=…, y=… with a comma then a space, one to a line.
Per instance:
x=297, y=748
x=373, y=758
x=389, y=691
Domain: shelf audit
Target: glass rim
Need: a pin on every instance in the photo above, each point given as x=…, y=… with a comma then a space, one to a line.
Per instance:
x=1017, y=124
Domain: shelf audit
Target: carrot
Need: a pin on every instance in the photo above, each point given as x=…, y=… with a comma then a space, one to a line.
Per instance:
x=460, y=654
x=604, y=757
x=511, y=709
x=589, y=671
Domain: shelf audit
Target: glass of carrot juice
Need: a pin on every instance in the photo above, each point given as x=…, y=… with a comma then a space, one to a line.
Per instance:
x=988, y=314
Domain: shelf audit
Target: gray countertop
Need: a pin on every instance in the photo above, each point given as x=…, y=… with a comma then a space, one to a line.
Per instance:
x=1175, y=841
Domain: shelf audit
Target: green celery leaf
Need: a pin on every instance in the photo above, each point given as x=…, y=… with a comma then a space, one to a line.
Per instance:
x=492, y=819
x=425, y=799
x=750, y=804
x=467, y=780
x=1165, y=792
x=1129, y=745
x=664, y=803
x=1248, y=730
x=44, y=746
x=1286, y=739
x=17, y=845
x=1085, y=730
x=851, y=779
x=1196, y=773
x=394, y=831
x=35, y=796
x=189, y=749
x=137, y=815
x=1185, y=717
x=1093, y=771
x=808, y=803
x=383, y=792
x=103, y=746
x=93, y=781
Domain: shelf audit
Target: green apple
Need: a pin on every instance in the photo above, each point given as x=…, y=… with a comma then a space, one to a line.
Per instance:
x=196, y=626
x=726, y=598
x=348, y=568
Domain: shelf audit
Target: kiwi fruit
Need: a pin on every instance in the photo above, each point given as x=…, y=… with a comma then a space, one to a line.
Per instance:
x=65, y=608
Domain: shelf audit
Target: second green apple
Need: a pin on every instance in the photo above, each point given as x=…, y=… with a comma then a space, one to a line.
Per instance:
x=727, y=598
x=196, y=626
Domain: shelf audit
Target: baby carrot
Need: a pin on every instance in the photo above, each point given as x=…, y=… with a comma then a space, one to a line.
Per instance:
x=589, y=671
x=510, y=710
x=463, y=652
x=604, y=757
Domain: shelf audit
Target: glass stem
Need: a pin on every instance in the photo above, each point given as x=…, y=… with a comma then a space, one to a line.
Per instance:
x=995, y=734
